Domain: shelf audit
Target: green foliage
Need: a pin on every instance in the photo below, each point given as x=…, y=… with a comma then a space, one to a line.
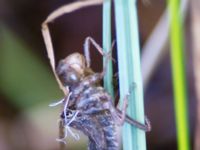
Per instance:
x=178, y=69
x=130, y=71
x=24, y=79
x=108, y=79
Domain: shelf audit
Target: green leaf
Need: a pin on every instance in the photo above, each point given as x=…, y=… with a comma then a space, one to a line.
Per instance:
x=108, y=78
x=24, y=79
x=130, y=71
x=178, y=72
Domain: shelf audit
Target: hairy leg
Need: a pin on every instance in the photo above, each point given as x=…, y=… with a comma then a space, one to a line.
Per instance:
x=90, y=40
x=146, y=127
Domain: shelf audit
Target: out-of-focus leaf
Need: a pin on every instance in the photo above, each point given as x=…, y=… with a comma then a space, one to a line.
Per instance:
x=179, y=74
x=23, y=77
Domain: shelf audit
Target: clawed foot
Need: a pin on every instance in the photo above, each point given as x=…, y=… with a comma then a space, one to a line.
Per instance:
x=121, y=115
x=147, y=124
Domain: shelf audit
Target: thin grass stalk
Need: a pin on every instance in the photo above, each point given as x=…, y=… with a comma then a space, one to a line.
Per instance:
x=130, y=70
x=157, y=50
x=178, y=72
x=108, y=78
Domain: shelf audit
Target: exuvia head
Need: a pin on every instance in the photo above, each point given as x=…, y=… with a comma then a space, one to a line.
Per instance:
x=71, y=69
x=76, y=61
x=68, y=75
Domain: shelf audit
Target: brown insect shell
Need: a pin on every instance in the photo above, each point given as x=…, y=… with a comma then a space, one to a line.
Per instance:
x=77, y=62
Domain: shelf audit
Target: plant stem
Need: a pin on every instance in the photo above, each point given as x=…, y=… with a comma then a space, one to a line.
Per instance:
x=130, y=70
x=178, y=72
x=108, y=78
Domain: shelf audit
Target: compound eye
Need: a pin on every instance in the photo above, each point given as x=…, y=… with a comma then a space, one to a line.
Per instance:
x=72, y=77
x=61, y=67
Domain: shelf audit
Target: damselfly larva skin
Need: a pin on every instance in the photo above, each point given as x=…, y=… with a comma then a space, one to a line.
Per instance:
x=87, y=95
x=100, y=129
x=97, y=117
x=96, y=114
x=87, y=106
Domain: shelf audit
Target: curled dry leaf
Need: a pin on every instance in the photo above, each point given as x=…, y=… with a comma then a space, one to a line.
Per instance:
x=46, y=33
x=50, y=52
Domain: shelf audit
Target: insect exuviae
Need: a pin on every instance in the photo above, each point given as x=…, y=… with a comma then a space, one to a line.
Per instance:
x=87, y=106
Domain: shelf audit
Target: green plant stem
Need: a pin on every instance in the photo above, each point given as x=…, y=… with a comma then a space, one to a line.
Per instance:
x=130, y=71
x=108, y=78
x=178, y=72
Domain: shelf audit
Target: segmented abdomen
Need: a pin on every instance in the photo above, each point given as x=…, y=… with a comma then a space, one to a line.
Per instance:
x=110, y=130
x=100, y=129
x=96, y=119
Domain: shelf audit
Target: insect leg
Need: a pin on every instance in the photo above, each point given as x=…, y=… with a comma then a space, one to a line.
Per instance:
x=123, y=112
x=146, y=127
x=87, y=42
x=108, y=55
x=125, y=104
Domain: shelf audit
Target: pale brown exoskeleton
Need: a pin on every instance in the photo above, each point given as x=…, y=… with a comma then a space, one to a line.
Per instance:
x=87, y=106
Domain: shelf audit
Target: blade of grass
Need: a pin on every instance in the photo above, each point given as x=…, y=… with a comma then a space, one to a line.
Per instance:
x=108, y=78
x=178, y=72
x=130, y=70
x=154, y=51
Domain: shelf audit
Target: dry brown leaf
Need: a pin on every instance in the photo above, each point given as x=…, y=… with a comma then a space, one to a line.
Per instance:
x=47, y=37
